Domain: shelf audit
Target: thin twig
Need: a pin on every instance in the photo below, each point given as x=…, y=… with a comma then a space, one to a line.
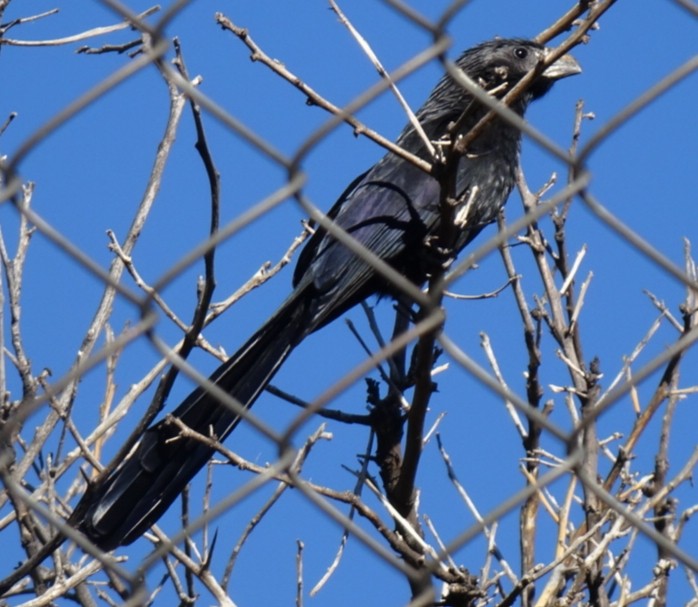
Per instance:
x=92, y=33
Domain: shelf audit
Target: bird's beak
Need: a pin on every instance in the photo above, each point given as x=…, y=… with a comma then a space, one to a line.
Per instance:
x=565, y=66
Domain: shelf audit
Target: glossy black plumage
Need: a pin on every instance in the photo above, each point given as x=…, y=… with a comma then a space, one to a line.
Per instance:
x=391, y=210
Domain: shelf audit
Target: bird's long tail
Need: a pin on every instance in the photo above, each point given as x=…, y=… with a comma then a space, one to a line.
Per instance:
x=120, y=508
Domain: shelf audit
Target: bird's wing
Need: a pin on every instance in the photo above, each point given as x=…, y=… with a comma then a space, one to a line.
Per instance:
x=389, y=211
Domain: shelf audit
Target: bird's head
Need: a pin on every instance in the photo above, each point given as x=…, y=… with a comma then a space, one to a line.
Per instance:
x=497, y=65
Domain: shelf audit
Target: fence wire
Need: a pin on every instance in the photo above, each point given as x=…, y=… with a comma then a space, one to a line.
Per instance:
x=540, y=446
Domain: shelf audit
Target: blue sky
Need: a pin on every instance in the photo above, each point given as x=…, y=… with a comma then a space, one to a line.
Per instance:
x=90, y=175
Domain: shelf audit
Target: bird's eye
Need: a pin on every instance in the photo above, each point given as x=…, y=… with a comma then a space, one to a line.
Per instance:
x=521, y=52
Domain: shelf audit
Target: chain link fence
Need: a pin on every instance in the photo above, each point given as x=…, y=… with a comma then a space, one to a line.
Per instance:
x=546, y=444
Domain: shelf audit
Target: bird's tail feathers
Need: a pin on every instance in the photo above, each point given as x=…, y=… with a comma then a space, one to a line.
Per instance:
x=118, y=509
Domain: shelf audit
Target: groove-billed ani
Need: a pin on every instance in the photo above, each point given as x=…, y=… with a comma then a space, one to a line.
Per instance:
x=393, y=209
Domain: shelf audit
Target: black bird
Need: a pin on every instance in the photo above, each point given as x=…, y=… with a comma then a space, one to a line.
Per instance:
x=392, y=210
